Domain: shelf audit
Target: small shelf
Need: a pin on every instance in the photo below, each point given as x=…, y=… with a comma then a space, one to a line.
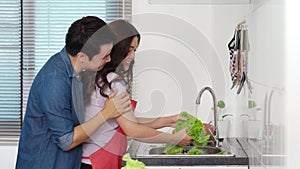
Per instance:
x=201, y=2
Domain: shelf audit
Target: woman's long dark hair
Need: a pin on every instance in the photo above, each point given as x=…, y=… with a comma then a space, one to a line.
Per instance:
x=125, y=33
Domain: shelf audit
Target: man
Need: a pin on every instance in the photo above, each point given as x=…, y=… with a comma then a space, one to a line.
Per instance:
x=52, y=131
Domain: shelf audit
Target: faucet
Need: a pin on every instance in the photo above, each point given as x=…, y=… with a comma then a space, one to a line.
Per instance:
x=215, y=135
x=267, y=125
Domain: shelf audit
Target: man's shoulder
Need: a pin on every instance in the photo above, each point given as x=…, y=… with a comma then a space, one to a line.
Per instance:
x=54, y=66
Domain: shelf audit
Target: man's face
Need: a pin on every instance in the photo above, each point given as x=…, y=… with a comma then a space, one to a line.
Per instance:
x=99, y=60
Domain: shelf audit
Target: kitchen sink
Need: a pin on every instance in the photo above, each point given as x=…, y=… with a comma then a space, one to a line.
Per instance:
x=229, y=153
x=208, y=151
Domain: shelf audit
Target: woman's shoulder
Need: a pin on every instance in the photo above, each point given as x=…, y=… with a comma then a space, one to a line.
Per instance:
x=116, y=82
x=111, y=76
x=114, y=76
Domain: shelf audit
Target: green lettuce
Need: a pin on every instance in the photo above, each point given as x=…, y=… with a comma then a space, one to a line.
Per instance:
x=196, y=131
x=132, y=164
x=173, y=149
x=195, y=152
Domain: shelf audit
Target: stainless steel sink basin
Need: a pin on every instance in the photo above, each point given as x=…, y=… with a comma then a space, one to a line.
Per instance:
x=204, y=150
x=152, y=155
x=207, y=151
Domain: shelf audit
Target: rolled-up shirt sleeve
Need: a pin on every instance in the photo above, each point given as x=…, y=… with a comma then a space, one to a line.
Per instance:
x=65, y=141
x=56, y=102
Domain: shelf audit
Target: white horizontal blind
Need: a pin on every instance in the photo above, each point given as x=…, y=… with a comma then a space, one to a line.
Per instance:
x=10, y=70
x=118, y=9
x=46, y=23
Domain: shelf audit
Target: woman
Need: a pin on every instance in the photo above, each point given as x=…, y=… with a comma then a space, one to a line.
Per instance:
x=106, y=147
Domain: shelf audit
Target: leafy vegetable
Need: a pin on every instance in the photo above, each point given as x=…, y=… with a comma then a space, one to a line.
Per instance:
x=173, y=149
x=132, y=164
x=196, y=131
x=221, y=152
x=194, y=152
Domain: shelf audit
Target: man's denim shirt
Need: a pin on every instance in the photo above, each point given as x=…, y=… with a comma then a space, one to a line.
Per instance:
x=50, y=118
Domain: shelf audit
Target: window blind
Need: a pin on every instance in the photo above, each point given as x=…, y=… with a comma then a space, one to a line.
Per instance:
x=44, y=24
x=10, y=70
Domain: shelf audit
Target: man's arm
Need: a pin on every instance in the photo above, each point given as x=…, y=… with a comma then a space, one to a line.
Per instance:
x=112, y=109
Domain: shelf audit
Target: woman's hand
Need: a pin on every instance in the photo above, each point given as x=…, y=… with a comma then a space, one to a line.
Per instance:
x=181, y=137
x=116, y=105
x=171, y=120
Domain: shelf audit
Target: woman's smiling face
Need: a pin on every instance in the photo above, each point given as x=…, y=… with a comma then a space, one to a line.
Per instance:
x=131, y=54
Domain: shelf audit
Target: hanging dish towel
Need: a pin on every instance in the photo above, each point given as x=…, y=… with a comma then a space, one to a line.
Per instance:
x=238, y=51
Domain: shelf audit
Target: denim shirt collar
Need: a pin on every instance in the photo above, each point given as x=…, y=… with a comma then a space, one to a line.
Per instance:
x=71, y=72
x=77, y=93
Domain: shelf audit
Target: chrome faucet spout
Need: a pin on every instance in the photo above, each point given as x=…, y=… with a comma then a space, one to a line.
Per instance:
x=216, y=132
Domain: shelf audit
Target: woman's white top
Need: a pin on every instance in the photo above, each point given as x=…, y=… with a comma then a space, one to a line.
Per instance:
x=108, y=129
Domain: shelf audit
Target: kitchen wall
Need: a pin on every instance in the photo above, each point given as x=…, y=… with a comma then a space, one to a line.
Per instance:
x=292, y=83
x=267, y=75
x=184, y=48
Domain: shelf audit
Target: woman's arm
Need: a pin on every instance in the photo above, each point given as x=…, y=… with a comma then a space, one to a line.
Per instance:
x=135, y=130
x=160, y=122
x=144, y=133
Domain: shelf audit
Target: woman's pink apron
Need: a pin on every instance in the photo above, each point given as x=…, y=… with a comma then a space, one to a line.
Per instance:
x=110, y=155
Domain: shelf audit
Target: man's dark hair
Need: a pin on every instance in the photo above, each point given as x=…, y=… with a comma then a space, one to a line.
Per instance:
x=87, y=35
